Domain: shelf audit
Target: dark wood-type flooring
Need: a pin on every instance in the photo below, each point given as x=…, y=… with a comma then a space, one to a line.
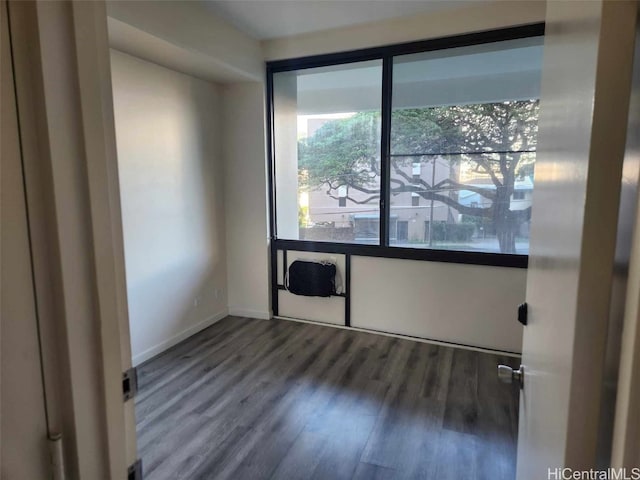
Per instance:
x=257, y=399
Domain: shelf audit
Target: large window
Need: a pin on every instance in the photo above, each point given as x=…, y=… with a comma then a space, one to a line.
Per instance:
x=415, y=150
x=327, y=143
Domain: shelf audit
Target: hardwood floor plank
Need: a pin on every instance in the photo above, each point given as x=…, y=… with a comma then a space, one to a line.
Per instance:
x=161, y=370
x=346, y=436
x=254, y=399
x=302, y=458
x=406, y=420
x=496, y=413
x=215, y=381
x=185, y=367
x=279, y=414
x=217, y=458
x=290, y=416
x=159, y=366
x=368, y=471
x=435, y=385
x=456, y=457
x=461, y=412
x=163, y=449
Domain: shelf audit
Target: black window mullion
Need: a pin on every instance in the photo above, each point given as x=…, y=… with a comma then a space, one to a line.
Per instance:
x=385, y=149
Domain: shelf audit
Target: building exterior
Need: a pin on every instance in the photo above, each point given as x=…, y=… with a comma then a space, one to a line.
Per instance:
x=346, y=215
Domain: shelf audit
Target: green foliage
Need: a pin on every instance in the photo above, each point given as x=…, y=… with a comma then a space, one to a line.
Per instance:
x=342, y=152
x=423, y=131
x=482, y=224
x=496, y=127
x=303, y=214
x=471, y=219
x=346, y=151
x=453, y=232
x=493, y=141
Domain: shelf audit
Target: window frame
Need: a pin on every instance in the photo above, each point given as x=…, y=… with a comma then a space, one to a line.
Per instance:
x=386, y=53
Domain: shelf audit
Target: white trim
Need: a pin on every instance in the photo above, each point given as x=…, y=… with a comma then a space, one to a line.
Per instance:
x=161, y=347
x=246, y=312
x=406, y=337
x=626, y=428
x=90, y=44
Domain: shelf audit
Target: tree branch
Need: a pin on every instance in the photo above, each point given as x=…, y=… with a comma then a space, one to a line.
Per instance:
x=487, y=168
x=359, y=202
x=409, y=179
x=428, y=195
x=449, y=184
x=445, y=185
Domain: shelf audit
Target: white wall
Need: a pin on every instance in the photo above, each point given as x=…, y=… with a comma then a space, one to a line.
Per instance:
x=468, y=304
x=465, y=19
x=171, y=185
x=243, y=130
x=184, y=36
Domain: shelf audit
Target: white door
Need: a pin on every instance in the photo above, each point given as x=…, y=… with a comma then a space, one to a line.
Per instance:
x=584, y=107
x=23, y=427
x=625, y=451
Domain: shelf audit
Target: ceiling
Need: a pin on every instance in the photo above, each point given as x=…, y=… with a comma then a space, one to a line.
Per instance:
x=495, y=72
x=265, y=19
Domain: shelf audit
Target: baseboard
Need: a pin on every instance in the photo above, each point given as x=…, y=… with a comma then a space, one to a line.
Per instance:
x=244, y=312
x=409, y=337
x=161, y=347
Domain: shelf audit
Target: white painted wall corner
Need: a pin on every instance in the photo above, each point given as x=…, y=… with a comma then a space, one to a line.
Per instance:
x=170, y=342
x=244, y=312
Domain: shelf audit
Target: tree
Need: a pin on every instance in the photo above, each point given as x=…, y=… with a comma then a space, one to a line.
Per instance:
x=495, y=140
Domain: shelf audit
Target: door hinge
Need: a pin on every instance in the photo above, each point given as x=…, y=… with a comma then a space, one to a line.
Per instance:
x=523, y=313
x=134, y=472
x=129, y=384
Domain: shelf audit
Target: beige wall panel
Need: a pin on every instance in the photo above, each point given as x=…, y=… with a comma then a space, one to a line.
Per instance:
x=171, y=186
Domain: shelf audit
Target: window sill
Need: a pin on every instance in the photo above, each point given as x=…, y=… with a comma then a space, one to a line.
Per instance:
x=404, y=253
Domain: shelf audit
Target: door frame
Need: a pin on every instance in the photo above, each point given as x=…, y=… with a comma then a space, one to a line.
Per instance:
x=625, y=451
x=586, y=86
x=63, y=85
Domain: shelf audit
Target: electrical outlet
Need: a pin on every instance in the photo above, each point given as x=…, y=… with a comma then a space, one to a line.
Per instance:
x=216, y=293
x=196, y=301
